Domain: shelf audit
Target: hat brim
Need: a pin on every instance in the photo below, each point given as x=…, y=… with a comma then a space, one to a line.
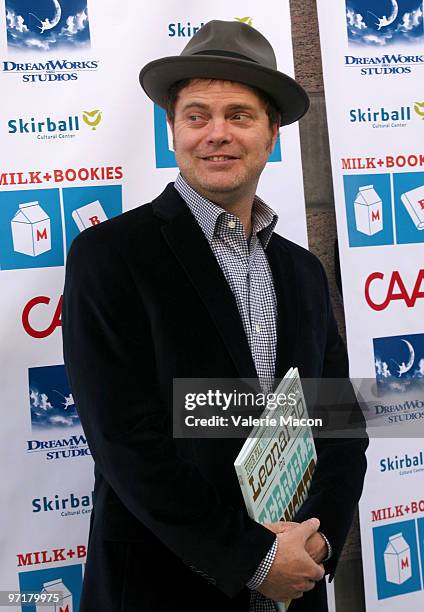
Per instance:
x=290, y=98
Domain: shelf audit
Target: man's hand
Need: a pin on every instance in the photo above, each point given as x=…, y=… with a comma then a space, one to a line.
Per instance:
x=316, y=546
x=293, y=571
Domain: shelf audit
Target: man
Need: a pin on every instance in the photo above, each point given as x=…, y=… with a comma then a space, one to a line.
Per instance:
x=197, y=285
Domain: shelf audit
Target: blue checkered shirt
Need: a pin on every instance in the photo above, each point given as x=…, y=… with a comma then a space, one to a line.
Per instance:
x=246, y=269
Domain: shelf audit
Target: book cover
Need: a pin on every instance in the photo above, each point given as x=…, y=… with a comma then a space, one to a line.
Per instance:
x=276, y=463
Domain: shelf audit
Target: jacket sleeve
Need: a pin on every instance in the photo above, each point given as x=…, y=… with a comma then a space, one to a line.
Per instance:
x=110, y=361
x=338, y=478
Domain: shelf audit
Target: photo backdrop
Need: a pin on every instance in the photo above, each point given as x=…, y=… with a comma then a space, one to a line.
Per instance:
x=81, y=143
x=373, y=60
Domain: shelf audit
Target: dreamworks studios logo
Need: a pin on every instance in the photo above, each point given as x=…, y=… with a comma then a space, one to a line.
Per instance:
x=164, y=150
x=40, y=27
x=53, y=412
x=384, y=117
x=384, y=24
x=47, y=27
x=49, y=128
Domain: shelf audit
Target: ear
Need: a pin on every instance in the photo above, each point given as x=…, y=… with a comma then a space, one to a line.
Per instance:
x=274, y=135
x=171, y=127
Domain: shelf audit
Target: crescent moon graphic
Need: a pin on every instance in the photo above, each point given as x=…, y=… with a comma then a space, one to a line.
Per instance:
x=411, y=355
x=405, y=367
x=384, y=21
x=47, y=24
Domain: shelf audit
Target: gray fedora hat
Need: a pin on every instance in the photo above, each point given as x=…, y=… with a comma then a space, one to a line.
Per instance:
x=233, y=51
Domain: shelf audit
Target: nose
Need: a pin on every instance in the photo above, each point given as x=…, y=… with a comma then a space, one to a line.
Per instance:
x=219, y=131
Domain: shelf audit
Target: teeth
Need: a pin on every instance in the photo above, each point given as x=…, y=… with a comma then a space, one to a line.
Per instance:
x=218, y=158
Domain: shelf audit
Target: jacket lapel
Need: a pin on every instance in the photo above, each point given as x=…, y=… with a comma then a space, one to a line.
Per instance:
x=192, y=250
x=288, y=303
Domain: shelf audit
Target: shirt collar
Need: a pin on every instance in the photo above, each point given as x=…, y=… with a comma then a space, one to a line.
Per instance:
x=206, y=213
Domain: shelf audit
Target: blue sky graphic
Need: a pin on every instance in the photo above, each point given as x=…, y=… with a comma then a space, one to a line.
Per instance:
x=51, y=402
x=399, y=360
x=46, y=25
x=382, y=23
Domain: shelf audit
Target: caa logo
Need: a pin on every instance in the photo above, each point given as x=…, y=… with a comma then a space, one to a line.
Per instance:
x=392, y=288
x=165, y=157
x=66, y=580
x=52, y=316
x=397, y=565
x=31, y=222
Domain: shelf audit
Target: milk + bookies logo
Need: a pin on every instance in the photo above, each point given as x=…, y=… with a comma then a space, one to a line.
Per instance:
x=377, y=215
x=397, y=566
x=31, y=227
x=66, y=580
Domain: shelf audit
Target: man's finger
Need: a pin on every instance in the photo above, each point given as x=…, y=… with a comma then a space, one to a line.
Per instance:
x=309, y=527
x=317, y=572
x=281, y=526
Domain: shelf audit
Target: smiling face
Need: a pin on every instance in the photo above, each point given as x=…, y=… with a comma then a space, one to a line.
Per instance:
x=222, y=139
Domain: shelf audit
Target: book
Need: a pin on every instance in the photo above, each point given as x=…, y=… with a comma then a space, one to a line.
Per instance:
x=88, y=215
x=414, y=203
x=277, y=461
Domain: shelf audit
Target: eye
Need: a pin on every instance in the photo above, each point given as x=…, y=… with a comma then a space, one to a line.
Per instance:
x=196, y=119
x=240, y=117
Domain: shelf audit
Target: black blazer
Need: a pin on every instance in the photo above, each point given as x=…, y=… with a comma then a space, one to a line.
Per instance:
x=146, y=301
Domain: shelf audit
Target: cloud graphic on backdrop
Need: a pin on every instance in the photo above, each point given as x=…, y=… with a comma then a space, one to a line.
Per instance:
x=384, y=22
x=51, y=402
x=46, y=25
x=399, y=360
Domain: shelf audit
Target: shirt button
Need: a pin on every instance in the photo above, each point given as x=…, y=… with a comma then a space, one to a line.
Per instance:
x=258, y=328
x=231, y=224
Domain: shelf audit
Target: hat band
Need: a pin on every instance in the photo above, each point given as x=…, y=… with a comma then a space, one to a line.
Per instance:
x=226, y=54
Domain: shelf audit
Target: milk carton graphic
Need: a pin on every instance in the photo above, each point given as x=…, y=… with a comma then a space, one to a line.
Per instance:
x=88, y=215
x=65, y=600
x=397, y=559
x=368, y=211
x=414, y=203
x=31, y=232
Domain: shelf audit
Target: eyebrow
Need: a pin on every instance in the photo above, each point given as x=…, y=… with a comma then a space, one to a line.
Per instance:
x=230, y=107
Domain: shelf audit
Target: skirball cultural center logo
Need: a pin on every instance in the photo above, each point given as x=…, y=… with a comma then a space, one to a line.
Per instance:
x=49, y=128
x=47, y=25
